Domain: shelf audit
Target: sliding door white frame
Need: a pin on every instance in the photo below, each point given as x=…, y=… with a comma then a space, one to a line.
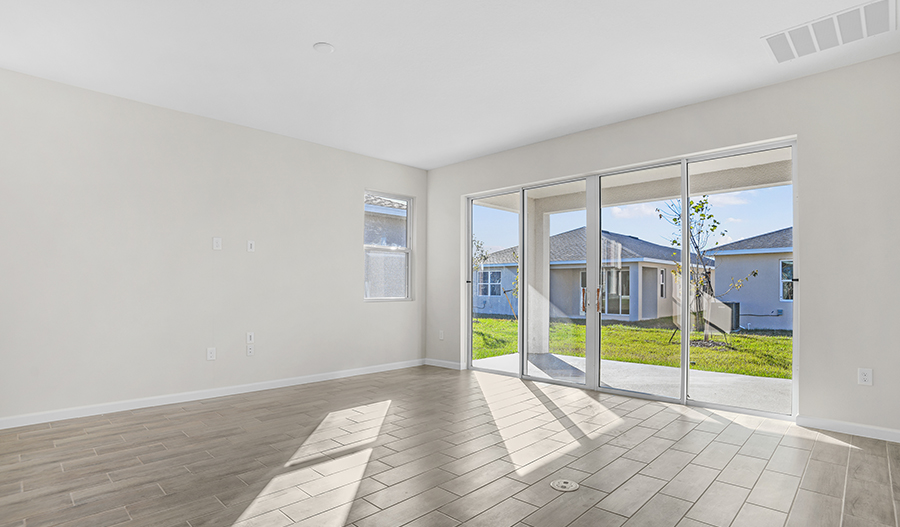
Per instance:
x=592, y=317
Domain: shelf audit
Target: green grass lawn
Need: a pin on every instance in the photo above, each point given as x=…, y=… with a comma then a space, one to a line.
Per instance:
x=761, y=354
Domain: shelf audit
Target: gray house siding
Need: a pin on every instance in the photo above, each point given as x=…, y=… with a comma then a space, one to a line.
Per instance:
x=643, y=261
x=649, y=292
x=496, y=304
x=760, y=297
x=565, y=293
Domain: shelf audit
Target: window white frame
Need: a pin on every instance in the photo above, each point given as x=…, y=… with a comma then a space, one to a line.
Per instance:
x=407, y=250
x=489, y=274
x=782, y=281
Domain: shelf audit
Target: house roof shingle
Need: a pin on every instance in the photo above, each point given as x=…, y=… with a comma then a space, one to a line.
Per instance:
x=771, y=240
x=571, y=246
x=380, y=201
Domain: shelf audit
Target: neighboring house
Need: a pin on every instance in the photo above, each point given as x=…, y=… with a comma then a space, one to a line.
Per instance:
x=766, y=300
x=636, y=281
x=385, y=223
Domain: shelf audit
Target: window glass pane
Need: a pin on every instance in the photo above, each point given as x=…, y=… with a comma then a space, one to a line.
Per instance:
x=495, y=289
x=483, y=290
x=787, y=270
x=385, y=221
x=624, y=305
x=386, y=274
x=495, y=277
x=583, y=279
x=787, y=290
x=482, y=277
x=626, y=283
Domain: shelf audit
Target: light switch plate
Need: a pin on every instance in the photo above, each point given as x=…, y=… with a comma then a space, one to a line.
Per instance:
x=217, y=244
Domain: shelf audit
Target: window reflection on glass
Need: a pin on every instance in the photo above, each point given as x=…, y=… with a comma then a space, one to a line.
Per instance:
x=787, y=279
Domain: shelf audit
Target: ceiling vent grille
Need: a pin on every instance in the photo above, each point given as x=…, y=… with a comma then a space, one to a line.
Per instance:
x=833, y=30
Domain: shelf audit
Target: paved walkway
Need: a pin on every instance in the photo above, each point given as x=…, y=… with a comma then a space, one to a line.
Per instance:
x=744, y=391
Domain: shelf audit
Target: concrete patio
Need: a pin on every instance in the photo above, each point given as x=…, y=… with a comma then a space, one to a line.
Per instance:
x=744, y=391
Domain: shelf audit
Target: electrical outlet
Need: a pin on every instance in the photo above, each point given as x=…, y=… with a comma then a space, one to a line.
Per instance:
x=251, y=246
x=250, y=350
x=210, y=353
x=441, y=335
x=250, y=339
x=865, y=376
x=217, y=244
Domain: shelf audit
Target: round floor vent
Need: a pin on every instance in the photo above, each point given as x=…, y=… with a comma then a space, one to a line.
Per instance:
x=564, y=485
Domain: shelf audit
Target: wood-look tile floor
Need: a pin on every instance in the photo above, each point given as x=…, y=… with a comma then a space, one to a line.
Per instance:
x=433, y=447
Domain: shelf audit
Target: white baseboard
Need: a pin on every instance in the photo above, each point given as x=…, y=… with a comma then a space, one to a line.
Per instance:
x=445, y=364
x=131, y=404
x=875, y=432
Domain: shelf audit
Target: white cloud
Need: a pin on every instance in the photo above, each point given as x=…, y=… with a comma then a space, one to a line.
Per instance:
x=734, y=198
x=634, y=211
x=724, y=240
x=734, y=220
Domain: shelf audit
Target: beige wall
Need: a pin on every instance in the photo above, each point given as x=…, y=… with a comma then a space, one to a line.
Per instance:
x=109, y=287
x=847, y=124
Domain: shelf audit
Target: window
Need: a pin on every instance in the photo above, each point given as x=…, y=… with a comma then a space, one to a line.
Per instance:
x=386, y=247
x=662, y=283
x=489, y=283
x=787, y=280
x=583, y=309
x=615, y=293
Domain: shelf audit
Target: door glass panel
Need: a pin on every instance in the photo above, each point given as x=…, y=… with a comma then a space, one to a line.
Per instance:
x=495, y=283
x=741, y=224
x=640, y=340
x=556, y=257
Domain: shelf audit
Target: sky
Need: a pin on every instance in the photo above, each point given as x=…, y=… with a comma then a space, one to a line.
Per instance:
x=742, y=214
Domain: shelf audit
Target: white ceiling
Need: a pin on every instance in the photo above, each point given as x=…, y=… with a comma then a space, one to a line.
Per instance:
x=421, y=82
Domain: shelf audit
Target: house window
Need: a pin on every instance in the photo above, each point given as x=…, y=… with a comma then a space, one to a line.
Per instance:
x=662, y=283
x=787, y=280
x=583, y=298
x=386, y=247
x=489, y=283
x=615, y=295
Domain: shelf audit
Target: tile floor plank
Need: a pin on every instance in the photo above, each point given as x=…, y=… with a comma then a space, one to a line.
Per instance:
x=426, y=446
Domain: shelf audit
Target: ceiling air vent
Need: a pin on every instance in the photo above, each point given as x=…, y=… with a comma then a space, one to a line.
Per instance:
x=833, y=30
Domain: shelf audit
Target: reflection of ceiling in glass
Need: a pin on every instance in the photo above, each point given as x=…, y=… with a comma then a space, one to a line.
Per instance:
x=508, y=202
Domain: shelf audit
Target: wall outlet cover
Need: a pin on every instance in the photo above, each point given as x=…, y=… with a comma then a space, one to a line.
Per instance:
x=864, y=376
x=250, y=350
x=210, y=353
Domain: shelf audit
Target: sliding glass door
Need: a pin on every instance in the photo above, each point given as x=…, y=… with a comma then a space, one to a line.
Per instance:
x=495, y=252
x=557, y=292
x=676, y=281
x=640, y=335
x=742, y=289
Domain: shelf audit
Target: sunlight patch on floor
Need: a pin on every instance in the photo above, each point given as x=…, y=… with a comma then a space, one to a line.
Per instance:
x=333, y=458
